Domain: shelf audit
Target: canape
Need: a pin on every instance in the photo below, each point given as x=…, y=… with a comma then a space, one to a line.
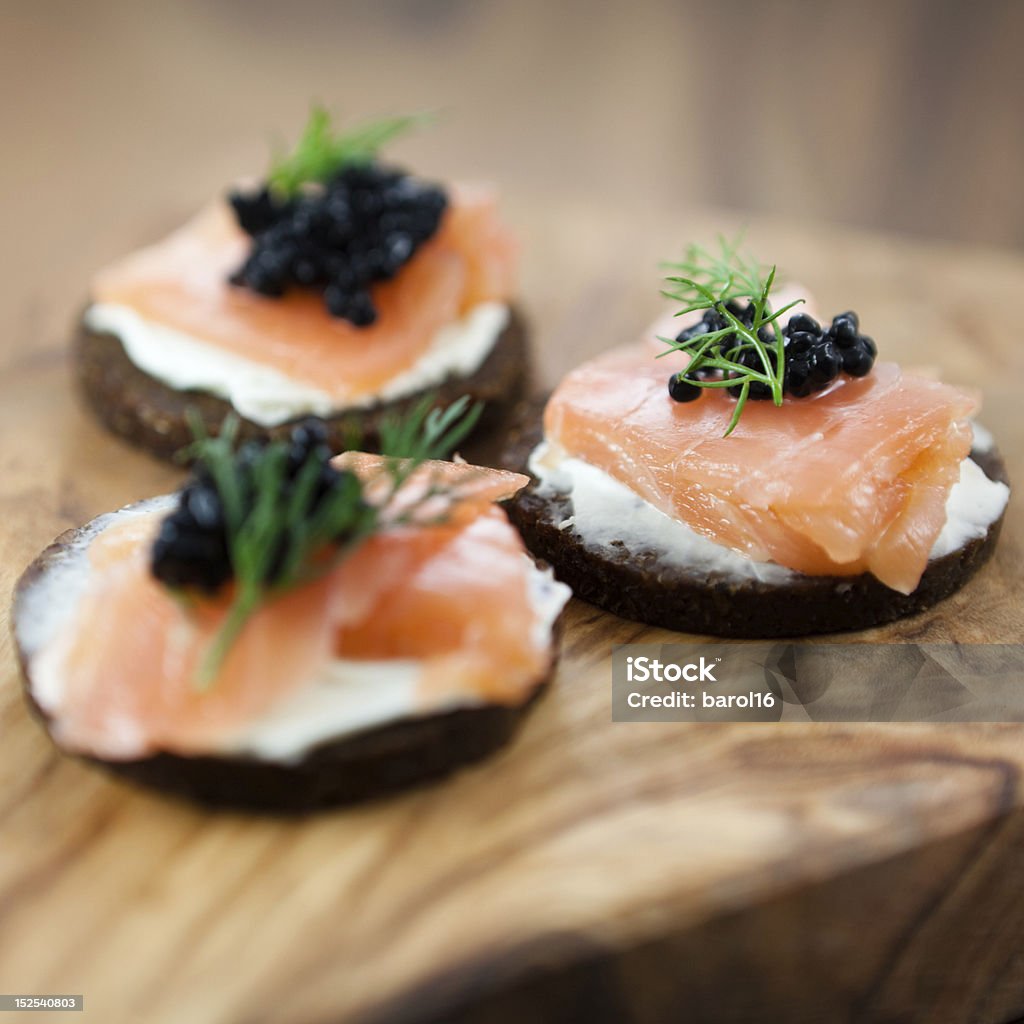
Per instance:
x=766, y=476
x=339, y=287
x=289, y=632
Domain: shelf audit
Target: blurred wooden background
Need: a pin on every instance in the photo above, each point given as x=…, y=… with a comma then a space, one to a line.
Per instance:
x=116, y=118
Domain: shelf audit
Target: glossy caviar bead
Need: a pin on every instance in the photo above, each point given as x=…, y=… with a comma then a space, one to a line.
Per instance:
x=801, y=343
x=360, y=228
x=682, y=390
x=203, y=505
x=857, y=361
x=811, y=372
x=797, y=377
x=825, y=364
x=699, y=328
x=857, y=351
x=187, y=554
x=745, y=313
x=845, y=326
x=361, y=310
x=801, y=323
x=256, y=211
x=749, y=357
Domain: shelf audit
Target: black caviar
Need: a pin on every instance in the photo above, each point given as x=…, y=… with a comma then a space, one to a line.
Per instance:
x=681, y=389
x=814, y=356
x=191, y=549
x=359, y=228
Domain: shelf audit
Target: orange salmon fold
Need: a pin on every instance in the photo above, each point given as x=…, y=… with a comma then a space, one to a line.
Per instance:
x=182, y=283
x=854, y=479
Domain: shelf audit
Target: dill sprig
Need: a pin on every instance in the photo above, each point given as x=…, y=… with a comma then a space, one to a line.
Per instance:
x=322, y=150
x=705, y=280
x=280, y=536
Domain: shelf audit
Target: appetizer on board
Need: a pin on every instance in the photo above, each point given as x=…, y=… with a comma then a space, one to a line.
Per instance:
x=339, y=287
x=757, y=473
x=291, y=631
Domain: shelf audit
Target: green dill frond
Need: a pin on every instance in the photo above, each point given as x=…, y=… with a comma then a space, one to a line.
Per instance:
x=705, y=280
x=280, y=535
x=322, y=150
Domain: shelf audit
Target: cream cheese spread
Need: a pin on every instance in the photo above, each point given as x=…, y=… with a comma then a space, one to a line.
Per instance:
x=606, y=512
x=268, y=397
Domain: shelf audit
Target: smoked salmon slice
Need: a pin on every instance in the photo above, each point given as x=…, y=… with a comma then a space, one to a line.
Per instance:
x=130, y=657
x=461, y=488
x=182, y=283
x=851, y=480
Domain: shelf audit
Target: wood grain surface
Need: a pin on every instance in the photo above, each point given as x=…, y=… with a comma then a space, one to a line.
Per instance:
x=593, y=870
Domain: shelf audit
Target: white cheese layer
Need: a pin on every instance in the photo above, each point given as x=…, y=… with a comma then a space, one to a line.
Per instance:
x=973, y=505
x=346, y=697
x=351, y=696
x=607, y=513
x=267, y=396
x=983, y=441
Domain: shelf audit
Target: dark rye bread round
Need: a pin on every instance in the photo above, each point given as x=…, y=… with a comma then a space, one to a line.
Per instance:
x=151, y=415
x=351, y=769
x=637, y=585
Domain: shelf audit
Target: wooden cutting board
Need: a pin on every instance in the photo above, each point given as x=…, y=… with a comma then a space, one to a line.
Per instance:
x=593, y=870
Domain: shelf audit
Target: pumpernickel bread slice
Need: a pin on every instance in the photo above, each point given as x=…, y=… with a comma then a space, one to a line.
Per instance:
x=346, y=769
x=151, y=415
x=638, y=584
